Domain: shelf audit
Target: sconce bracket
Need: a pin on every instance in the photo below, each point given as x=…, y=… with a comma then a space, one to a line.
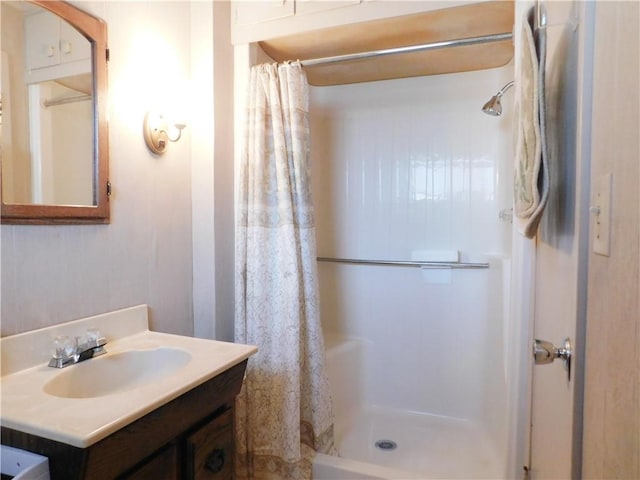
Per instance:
x=155, y=132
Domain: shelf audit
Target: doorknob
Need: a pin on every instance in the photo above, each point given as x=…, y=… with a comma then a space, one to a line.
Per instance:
x=544, y=352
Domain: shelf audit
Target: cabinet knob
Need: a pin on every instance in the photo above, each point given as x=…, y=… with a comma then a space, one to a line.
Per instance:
x=66, y=47
x=215, y=461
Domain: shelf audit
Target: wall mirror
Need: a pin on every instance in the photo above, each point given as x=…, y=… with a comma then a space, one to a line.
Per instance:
x=53, y=114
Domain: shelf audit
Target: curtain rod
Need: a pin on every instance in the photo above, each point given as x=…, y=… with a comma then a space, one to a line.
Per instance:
x=401, y=263
x=64, y=100
x=461, y=42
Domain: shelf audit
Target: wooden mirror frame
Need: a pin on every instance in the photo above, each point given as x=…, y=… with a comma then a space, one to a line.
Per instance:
x=95, y=30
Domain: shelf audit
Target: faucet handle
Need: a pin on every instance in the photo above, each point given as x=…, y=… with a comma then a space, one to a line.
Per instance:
x=95, y=338
x=64, y=347
x=64, y=351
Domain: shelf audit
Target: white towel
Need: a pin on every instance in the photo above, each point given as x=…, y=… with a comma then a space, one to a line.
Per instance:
x=531, y=182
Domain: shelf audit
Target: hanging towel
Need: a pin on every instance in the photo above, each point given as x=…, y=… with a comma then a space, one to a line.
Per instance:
x=531, y=182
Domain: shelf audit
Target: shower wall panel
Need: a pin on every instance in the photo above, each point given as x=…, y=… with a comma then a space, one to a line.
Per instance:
x=404, y=166
x=411, y=164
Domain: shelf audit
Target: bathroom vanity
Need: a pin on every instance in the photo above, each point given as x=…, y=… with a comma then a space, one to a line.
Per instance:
x=190, y=437
x=155, y=406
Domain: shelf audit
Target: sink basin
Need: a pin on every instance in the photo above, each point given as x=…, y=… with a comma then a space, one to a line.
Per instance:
x=82, y=404
x=116, y=372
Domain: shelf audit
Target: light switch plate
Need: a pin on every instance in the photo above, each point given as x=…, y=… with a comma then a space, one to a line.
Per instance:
x=601, y=209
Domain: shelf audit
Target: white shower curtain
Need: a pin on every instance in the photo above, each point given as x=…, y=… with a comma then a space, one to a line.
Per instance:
x=284, y=410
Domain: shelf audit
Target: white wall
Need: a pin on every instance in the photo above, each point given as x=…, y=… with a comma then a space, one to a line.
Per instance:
x=67, y=147
x=406, y=165
x=202, y=173
x=52, y=274
x=213, y=170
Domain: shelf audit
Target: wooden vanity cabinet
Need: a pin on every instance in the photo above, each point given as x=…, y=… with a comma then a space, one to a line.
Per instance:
x=208, y=449
x=191, y=437
x=163, y=466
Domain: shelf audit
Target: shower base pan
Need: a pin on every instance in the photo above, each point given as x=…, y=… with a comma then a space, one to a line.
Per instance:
x=382, y=444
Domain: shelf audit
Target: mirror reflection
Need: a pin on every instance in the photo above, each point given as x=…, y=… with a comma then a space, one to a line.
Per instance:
x=47, y=126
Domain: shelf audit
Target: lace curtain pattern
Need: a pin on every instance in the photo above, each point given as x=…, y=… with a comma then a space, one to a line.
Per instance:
x=284, y=411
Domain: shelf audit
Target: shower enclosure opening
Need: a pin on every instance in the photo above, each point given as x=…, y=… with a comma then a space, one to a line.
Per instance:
x=411, y=171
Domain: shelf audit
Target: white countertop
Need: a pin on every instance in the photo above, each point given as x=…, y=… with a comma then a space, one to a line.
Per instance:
x=81, y=422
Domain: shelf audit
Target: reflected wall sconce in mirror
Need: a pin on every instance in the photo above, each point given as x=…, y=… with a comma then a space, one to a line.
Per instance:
x=159, y=130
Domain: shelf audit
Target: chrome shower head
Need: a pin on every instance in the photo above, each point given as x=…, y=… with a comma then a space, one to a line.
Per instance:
x=493, y=106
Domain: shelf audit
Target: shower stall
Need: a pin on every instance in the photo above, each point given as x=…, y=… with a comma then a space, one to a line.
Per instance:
x=406, y=174
x=423, y=282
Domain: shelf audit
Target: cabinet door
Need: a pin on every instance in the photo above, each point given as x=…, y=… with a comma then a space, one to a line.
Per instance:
x=73, y=45
x=210, y=450
x=42, y=35
x=313, y=6
x=251, y=12
x=164, y=466
x=54, y=49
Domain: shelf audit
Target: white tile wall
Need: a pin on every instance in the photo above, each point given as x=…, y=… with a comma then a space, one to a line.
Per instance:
x=411, y=164
x=407, y=165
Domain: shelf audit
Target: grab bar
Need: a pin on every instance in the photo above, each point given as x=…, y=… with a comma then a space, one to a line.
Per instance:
x=401, y=263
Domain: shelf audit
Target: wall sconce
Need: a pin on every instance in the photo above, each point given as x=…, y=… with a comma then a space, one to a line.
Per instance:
x=156, y=130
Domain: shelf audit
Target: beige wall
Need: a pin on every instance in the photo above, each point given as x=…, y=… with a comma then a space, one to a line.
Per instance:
x=612, y=383
x=52, y=274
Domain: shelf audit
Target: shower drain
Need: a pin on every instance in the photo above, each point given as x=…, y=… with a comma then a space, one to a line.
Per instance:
x=386, y=445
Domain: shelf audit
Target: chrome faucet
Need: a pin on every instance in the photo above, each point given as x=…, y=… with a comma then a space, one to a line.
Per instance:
x=68, y=351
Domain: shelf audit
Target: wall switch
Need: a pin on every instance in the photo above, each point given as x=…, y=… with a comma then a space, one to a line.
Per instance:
x=601, y=214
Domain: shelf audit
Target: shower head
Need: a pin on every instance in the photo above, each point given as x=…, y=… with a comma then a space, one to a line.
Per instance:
x=493, y=106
